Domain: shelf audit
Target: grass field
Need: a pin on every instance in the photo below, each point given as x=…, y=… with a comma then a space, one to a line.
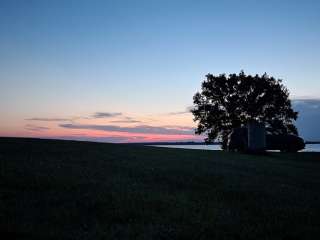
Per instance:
x=79, y=190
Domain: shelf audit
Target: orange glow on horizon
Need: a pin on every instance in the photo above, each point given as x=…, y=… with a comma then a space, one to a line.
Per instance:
x=54, y=129
x=95, y=135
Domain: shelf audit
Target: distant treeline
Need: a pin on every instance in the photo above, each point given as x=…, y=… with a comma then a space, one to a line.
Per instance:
x=176, y=143
x=312, y=142
x=196, y=143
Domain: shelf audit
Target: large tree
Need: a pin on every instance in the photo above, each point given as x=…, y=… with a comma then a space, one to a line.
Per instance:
x=227, y=102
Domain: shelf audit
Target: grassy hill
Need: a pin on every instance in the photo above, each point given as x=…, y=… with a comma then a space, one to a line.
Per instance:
x=80, y=190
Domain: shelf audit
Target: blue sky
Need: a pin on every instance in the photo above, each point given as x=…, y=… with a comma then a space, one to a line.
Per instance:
x=61, y=59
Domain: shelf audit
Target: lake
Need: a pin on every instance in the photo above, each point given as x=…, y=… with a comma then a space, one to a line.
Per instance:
x=309, y=147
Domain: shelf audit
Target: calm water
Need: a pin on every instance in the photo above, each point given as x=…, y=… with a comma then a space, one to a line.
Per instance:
x=309, y=147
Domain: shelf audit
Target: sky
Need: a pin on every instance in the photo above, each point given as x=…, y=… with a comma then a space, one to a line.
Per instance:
x=126, y=71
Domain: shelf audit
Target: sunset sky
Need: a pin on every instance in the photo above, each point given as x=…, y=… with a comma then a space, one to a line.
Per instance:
x=126, y=71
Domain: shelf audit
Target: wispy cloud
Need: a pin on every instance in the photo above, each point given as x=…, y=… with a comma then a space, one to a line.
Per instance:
x=126, y=120
x=113, y=139
x=95, y=115
x=35, y=128
x=106, y=114
x=136, y=129
x=48, y=119
x=186, y=111
x=188, y=128
x=307, y=103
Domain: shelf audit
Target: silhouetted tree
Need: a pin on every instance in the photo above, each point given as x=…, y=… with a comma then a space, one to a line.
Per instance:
x=227, y=102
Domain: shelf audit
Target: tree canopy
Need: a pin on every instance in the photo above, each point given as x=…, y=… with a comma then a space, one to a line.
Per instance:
x=227, y=102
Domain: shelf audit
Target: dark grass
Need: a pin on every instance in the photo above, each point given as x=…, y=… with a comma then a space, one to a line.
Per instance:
x=79, y=190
